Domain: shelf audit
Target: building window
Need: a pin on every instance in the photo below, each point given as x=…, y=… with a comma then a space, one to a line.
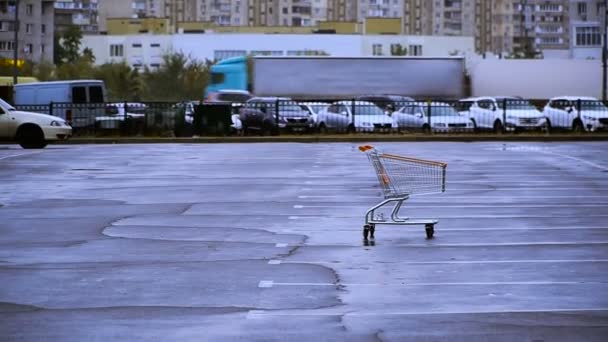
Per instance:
x=116, y=50
x=223, y=54
x=588, y=36
x=29, y=9
x=42, y=48
x=136, y=45
x=29, y=28
x=582, y=8
x=415, y=50
x=155, y=45
x=266, y=53
x=29, y=48
x=43, y=28
x=377, y=49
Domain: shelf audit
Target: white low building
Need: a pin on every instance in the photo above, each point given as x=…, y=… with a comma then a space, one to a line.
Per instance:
x=147, y=50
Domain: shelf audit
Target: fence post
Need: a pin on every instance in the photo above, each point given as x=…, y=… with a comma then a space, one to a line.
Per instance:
x=51, y=108
x=353, y=110
x=276, y=115
x=429, y=114
x=504, y=115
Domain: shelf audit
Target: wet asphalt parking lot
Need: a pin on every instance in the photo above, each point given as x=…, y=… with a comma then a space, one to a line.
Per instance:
x=196, y=242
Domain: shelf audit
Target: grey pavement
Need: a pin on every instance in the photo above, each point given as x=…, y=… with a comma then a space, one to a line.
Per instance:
x=263, y=242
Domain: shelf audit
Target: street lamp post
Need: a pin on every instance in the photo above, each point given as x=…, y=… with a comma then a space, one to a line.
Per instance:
x=604, y=50
x=16, y=44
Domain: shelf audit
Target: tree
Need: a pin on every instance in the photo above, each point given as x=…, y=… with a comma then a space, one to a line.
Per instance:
x=67, y=46
x=122, y=81
x=44, y=71
x=398, y=50
x=178, y=78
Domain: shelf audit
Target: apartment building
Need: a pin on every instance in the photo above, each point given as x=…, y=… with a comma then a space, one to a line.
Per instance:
x=543, y=24
x=587, y=25
x=108, y=9
x=81, y=13
x=36, y=30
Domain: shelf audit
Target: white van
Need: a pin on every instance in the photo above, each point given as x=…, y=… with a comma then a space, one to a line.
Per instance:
x=78, y=101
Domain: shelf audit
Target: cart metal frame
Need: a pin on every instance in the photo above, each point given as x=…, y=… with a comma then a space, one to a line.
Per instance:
x=401, y=177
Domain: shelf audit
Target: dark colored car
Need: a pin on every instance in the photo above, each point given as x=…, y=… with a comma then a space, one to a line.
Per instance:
x=268, y=115
x=389, y=103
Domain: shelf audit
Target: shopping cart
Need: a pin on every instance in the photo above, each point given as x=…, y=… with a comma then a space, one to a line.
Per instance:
x=401, y=177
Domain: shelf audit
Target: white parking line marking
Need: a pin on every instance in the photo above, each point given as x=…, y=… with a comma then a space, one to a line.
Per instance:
x=252, y=314
x=265, y=283
x=451, y=191
x=20, y=154
x=470, y=206
x=274, y=262
x=466, y=262
x=443, y=284
x=281, y=245
x=317, y=217
x=597, y=166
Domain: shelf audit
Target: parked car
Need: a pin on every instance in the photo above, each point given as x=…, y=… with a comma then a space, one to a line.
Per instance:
x=260, y=114
x=443, y=118
x=389, y=103
x=31, y=130
x=367, y=117
x=577, y=113
x=117, y=114
x=313, y=108
x=490, y=113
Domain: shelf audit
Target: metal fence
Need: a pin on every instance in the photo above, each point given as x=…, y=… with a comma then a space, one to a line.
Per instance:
x=267, y=116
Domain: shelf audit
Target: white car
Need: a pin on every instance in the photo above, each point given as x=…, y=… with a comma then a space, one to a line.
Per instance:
x=313, y=108
x=577, y=113
x=367, y=117
x=116, y=114
x=502, y=113
x=443, y=118
x=31, y=130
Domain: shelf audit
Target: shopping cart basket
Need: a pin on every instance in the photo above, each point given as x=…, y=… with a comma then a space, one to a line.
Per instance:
x=401, y=177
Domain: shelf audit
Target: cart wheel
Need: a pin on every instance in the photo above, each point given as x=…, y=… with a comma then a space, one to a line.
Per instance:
x=372, y=229
x=430, y=230
x=366, y=230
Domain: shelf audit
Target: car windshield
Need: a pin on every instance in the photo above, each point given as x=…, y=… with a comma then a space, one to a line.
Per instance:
x=317, y=107
x=593, y=106
x=442, y=111
x=6, y=105
x=516, y=104
x=290, y=108
x=368, y=109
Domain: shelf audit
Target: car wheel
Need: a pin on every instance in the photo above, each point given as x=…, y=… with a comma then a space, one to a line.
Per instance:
x=426, y=129
x=498, y=127
x=475, y=129
x=31, y=136
x=351, y=129
x=322, y=128
x=577, y=126
x=548, y=127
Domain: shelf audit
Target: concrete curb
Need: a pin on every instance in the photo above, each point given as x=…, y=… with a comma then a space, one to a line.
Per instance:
x=338, y=138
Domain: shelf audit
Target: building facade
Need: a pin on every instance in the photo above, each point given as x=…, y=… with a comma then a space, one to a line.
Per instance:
x=562, y=28
x=146, y=50
x=587, y=25
x=36, y=30
x=81, y=13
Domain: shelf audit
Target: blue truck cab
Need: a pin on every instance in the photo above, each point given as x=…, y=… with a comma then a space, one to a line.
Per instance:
x=230, y=73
